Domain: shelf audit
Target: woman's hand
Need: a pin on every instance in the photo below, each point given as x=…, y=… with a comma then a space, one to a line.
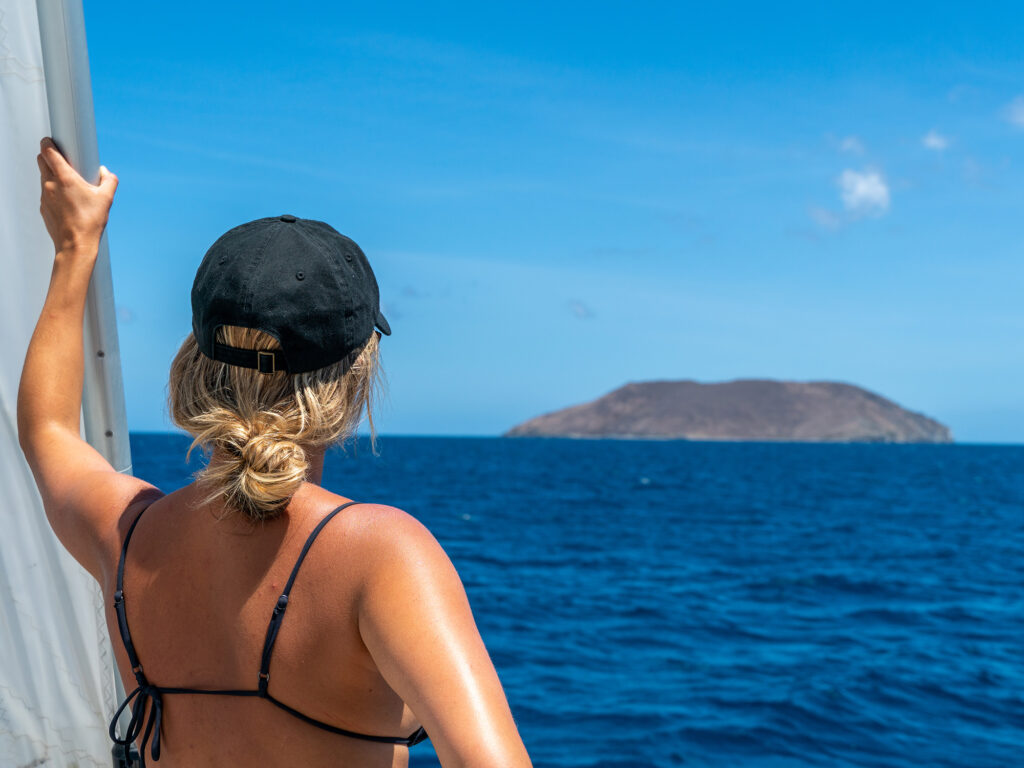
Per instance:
x=74, y=210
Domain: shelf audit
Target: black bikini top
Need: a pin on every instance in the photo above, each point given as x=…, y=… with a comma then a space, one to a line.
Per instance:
x=153, y=693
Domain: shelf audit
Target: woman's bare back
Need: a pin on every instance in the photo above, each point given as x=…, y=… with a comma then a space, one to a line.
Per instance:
x=199, y=593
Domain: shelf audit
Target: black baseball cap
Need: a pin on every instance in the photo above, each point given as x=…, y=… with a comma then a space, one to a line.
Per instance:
x=299, y=280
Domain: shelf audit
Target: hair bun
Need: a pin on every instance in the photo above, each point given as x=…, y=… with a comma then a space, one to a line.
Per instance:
x=273, y=466
x=261, y=427
x=269, y=454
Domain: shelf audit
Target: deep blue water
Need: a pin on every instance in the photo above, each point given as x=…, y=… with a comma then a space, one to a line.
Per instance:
x=724, y=604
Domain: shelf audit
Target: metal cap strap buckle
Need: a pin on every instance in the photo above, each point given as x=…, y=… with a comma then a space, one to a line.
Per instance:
x=266, y=362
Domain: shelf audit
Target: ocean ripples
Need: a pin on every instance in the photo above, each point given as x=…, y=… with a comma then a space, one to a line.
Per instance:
x=701, y=604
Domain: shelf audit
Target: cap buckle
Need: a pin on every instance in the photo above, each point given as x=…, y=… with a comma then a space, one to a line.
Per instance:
x=261, y=356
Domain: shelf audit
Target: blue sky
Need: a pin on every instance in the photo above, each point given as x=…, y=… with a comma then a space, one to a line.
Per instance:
x=561, y=198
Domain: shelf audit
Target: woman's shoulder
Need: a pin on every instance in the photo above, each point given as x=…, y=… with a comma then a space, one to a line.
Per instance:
x=381, y=532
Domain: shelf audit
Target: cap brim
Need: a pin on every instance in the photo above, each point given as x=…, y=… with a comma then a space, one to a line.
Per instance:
x=382, y=324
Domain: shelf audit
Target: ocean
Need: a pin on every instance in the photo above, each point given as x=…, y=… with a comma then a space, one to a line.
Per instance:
x=668, y=603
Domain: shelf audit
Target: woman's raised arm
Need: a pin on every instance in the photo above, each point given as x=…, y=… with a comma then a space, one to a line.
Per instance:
x=84, y=497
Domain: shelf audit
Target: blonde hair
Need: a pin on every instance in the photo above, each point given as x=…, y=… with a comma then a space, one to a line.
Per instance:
x=258, y=425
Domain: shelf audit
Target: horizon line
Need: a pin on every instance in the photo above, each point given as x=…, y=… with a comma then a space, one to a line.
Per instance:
x=432, y=435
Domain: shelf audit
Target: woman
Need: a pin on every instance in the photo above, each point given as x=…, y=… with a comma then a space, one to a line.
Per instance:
x=264, y=620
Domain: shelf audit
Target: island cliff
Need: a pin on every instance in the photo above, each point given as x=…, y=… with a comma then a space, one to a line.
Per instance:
x=746, y=409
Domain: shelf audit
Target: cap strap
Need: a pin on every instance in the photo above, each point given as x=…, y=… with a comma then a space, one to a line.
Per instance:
x=262, y=360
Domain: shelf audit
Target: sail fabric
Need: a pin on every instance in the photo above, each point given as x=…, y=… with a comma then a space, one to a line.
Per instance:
x=56, y=666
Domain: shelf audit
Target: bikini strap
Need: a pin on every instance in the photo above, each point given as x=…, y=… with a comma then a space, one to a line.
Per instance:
x=282, y=603
x=122, y=616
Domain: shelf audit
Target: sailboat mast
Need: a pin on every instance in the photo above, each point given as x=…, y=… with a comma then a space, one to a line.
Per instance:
x=73, y=127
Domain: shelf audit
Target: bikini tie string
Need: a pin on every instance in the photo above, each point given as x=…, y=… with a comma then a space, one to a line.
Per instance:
x=142, y=694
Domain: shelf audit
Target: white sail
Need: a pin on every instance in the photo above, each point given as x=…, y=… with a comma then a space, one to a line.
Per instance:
x=58, y=681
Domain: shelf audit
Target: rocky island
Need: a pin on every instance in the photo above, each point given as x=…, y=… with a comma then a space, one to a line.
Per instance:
x=745, y=409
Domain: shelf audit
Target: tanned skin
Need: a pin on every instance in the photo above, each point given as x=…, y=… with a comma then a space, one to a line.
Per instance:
x=379, y=637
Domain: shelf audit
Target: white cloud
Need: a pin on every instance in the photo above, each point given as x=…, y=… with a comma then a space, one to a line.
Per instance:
x=864, y=193
x=851, y=144
x=935, y=141
x=1014, y=112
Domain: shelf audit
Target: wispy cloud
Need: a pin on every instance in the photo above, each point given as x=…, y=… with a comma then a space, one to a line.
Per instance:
x=824, y=218
x=958, y=93
x=619, y=252
x=935, y=141
x=580, y=310
x=391, y=310
x=1014, y=112
x=851, y=145
x=973, y=173
x=253, y=158
x=864, y=193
